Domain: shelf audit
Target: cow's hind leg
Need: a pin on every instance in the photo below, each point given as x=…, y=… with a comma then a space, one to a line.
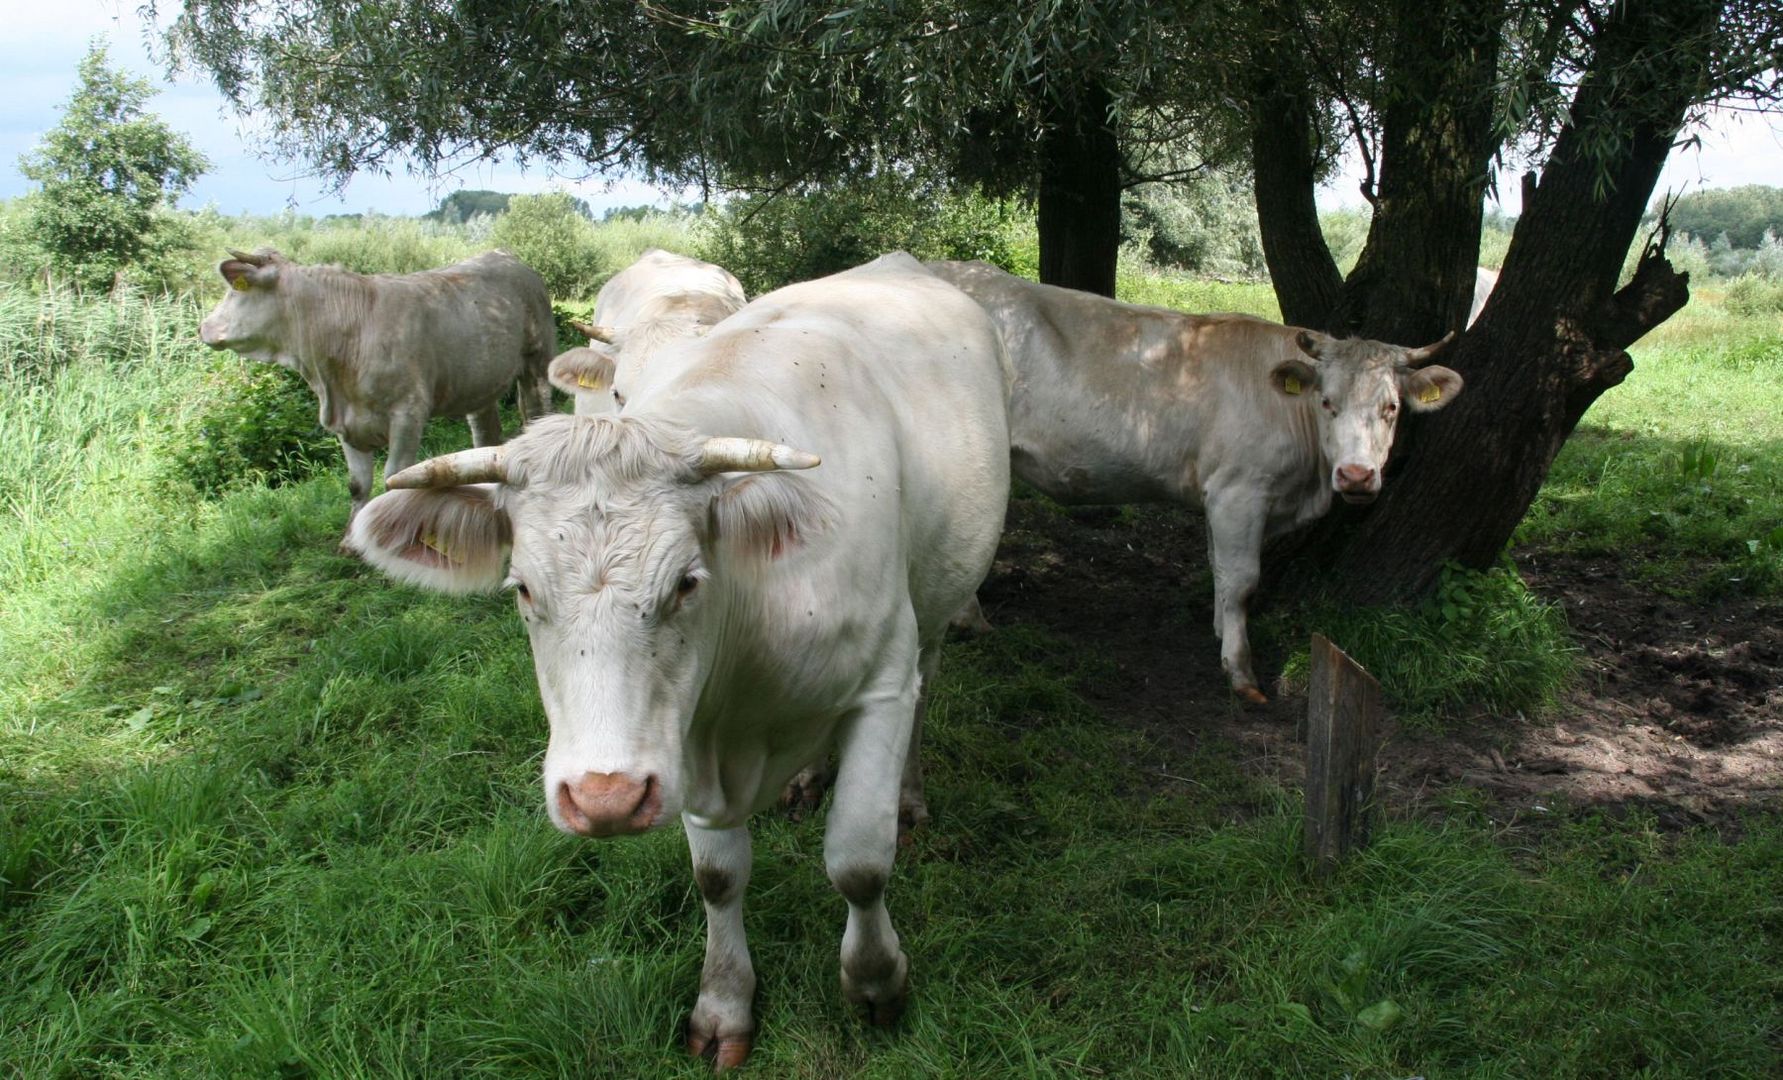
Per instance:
x=486, y=425
x=859, y=845
x=913, y=809
x=1235, y=546
x=533, y=389
x=723, y=1021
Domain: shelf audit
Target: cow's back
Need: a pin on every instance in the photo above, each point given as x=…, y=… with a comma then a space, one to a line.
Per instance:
x=461, y=333
x=1116, y=403
x=894, y=378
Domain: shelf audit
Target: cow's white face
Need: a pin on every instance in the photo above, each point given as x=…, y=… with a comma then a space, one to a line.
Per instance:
x=627, y=549
x=249, y=319
x=1358, y=388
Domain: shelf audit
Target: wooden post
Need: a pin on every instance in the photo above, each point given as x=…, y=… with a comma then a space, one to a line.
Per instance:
x=1342, y=718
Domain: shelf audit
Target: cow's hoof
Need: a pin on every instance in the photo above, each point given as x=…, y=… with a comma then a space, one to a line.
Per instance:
x=880, y=1005
x=1251, y=695
x=913, y=815
x=722, y=1051
x=804, y=792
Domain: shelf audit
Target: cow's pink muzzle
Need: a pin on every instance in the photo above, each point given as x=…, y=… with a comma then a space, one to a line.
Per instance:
x=1357, y=483
x=609, y=804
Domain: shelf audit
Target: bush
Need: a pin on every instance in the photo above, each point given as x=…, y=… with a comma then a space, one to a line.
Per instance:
x=774, y=240
x=1755, y=295
x=549, y=234
x=258, y=425
x=1207, y=226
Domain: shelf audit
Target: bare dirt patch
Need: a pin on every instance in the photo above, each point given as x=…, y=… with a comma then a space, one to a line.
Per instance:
x=1679, y=706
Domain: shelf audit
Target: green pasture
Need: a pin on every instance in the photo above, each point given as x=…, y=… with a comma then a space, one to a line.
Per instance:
x=263, y=813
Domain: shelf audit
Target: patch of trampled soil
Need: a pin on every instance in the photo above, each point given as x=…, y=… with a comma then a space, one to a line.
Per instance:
x=1679, y=707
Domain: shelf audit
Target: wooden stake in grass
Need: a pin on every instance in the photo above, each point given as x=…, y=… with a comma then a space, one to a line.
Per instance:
x=1342, y=718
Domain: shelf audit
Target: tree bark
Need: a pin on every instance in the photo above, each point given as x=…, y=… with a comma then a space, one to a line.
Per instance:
x=1284, y=162
x=1079, y=211
x=1437, y=139
x=1554, y=337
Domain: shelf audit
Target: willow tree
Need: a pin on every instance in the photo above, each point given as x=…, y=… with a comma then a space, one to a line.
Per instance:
x=1071, y=100
x=1591, y=96
x=1066, y=103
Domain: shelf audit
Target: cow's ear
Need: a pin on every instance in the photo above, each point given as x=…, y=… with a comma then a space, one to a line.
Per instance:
x=1311, y=343
x=1428, y=389
x=1294, y=377
x=450, y=539
x=243, y=276
x=765, y=515
x=584, y=370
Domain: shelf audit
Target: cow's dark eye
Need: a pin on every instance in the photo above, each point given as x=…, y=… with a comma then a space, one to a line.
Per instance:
x=686, y=585
x=1389, y=409
x=522, y=592
x=1326, y=402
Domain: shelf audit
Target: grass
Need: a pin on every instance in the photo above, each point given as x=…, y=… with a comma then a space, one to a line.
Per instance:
x=1682, y=465
x=263, y=813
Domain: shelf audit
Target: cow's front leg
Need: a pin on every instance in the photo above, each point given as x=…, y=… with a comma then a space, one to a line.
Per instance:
x=1235, y=524
x=723, y=1020
x=486, y=425
x=859, y=844
x=359, y=471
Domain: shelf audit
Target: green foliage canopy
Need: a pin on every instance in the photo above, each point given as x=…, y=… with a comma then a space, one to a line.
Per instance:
x=104, y=172
x=1744, y=214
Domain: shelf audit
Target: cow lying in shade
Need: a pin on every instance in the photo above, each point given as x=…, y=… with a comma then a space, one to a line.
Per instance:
x=1258, y=423
x=385, y=352
x=657, y=300
x=705, y=623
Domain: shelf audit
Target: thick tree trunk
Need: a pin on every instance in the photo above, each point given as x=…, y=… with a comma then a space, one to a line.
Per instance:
x=1414, y=280
x=1553, y=338
x=1079, y=212
x=1284, y=162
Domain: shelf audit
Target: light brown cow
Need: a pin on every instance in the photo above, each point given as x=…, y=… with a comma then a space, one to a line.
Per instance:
x=384, y=352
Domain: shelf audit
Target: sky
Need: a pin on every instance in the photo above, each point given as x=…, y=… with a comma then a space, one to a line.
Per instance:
x=44, y=43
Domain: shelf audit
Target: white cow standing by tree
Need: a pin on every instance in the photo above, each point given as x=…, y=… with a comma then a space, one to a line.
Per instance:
x=1257, y=423
x=706, y=623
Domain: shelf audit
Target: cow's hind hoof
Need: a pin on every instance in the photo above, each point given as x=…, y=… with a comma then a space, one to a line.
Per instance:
x=912, y=816
x=804, y=792
x=722, y=1051
x=1251, y=695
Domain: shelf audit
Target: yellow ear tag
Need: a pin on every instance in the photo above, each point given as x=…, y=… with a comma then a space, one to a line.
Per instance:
x=588, y=382
x=433, y=541
x=1429, y=392
x=1292, y=384
x=239, y=284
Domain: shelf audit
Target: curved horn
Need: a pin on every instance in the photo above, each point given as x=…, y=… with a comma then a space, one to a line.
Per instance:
x=249, y=257
x=593, y=332
x=483, y=465
x=1418, y=356
x=752, y=455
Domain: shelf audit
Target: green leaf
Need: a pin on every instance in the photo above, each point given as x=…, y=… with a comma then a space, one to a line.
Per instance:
x=140, y=718
x=1382, y=1015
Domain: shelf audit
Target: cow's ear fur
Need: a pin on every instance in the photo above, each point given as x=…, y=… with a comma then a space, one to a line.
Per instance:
x=1294, y=378
x=766, y=515
x=1310, y=343
x=450, y=539
x=586, y=369
x=1428, y=389
x=243, y=276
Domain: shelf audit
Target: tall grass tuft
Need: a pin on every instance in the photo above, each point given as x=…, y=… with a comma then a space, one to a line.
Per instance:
x=1482, y=645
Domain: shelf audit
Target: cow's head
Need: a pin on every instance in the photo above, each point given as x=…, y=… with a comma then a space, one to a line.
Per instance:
x=627, y=542
x=249, y=318
x=1358, y=388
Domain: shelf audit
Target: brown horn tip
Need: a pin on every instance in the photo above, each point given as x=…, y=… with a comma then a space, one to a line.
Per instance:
x=1418, y=356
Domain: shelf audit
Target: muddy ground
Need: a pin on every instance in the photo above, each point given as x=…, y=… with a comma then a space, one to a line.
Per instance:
x=1678, y=708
